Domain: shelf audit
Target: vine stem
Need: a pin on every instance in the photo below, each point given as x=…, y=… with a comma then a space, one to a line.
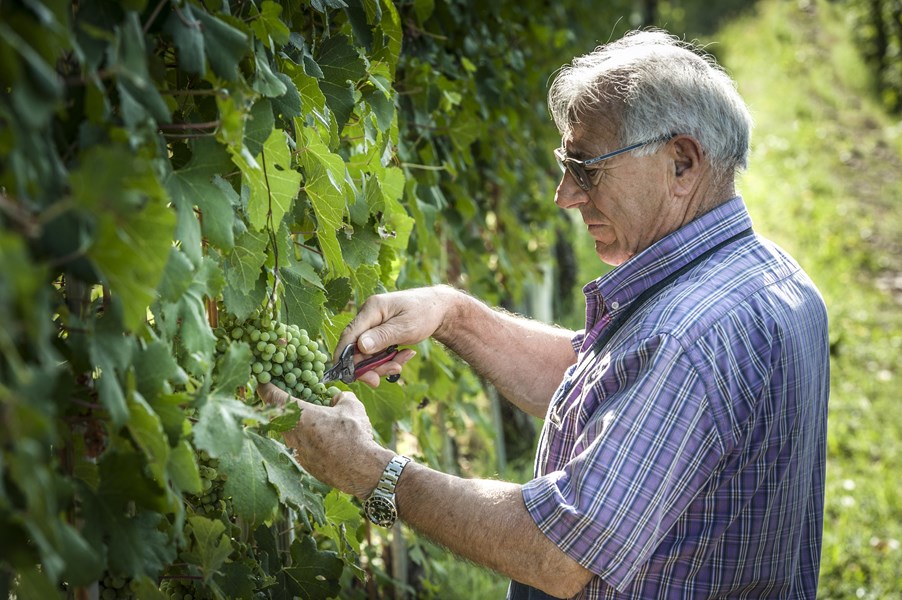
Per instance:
x=154, y=15
x=183, y=126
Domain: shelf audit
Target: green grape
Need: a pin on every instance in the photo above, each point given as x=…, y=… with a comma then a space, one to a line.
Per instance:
x=261, y=346
x=276, y=370
x=257, y=367
x=332, y=391
x=303, y=338
x=237, y=333
x=264, y=336
x=264, y=377
x=306, y=366
x=318, y=366
x=279, y=357
x=290, y=379
x=270, y=348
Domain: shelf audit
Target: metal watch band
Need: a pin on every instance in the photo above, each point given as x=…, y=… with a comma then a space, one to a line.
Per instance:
x=380, y=507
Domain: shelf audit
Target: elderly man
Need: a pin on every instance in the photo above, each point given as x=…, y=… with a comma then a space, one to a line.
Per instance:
x=683, y=447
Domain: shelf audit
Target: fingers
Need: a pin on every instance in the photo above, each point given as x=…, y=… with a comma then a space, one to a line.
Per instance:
x=386, y=319
x=272, y=395
x=393, y=367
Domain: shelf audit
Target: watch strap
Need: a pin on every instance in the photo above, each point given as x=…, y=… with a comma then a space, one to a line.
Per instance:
x=380, y=507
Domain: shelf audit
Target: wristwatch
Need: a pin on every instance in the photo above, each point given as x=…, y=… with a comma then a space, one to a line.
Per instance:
x=380, y=507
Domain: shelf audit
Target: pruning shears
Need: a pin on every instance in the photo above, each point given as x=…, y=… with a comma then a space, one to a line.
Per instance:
x=346, y=370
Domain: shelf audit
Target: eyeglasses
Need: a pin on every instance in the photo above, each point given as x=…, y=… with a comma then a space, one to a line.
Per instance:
x=577, y=167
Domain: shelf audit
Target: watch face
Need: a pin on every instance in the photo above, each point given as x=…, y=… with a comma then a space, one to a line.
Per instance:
x=380, y=511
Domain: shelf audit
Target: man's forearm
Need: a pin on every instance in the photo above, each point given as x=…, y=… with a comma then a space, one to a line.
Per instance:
x=524, y=359
x=486, y=522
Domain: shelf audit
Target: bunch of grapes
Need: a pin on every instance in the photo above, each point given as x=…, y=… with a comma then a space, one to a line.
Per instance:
x=211, y=499
x=184, y=588
x=284, y=354
x=115, y=587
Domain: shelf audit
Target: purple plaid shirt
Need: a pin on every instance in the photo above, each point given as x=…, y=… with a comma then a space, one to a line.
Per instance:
x=689, y=461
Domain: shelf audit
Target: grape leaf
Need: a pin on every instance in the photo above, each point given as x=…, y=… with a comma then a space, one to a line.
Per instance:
x=253, y=497
x=339, y=293
x=242, y=304
x=258, y=126
x=366, y=280
x=219, y=428
x=211, y=546
x=342, y=515
x=122, y=481
x=154, y=365
x=265, y=80
x=290, y=481
x=111, y=352
x=288, y=105
x=182, y=469
x=147, y=431
x=172, y=416
x=325, y=173
x=83, y=563
x=131, y=253
x=362, y=248
x=313, y=573
x=192, y=185
x=272, y=181
x=395, y=217
x=385, y=406
x=136, y=545
x=342, y=67
x=186, y=34
x=323, y=6
x=224, y=45
x=268, y=24
x=233, y=369
x=303, y=303
x=245, y=260
x=236, y=579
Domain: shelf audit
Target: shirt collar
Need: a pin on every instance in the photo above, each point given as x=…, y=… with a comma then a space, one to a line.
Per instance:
x=619, y=287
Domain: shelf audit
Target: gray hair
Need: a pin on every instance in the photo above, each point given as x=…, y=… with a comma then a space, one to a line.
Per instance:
x=653, y=85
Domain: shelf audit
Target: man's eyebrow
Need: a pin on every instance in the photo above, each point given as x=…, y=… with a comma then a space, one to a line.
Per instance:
x=577, y=154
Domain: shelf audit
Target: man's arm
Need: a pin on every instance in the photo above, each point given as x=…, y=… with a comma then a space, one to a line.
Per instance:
x=481, y=520
x=486, y=522
x=524, y=359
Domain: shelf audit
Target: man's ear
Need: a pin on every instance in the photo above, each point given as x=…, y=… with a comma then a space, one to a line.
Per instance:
x=688, y=157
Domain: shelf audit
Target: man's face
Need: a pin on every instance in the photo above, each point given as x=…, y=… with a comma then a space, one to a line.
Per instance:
x=629, y=205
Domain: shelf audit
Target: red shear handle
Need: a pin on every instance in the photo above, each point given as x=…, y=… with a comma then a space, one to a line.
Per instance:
x=374, y=361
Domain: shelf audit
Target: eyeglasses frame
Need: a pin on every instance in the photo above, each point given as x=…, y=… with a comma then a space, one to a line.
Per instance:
x=565, y=162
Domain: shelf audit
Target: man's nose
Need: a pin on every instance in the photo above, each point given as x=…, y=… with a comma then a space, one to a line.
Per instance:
x=568, y=193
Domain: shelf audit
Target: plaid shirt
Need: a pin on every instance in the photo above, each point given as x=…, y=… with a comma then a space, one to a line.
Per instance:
x=689, y=461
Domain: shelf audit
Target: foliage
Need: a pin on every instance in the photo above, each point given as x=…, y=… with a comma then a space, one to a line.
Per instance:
x=167, y=163
x=878, y=25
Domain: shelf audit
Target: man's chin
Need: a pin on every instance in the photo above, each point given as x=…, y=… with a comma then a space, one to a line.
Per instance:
x=610, y=254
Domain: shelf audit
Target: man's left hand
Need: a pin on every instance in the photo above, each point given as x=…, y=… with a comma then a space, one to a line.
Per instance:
x=334, y=443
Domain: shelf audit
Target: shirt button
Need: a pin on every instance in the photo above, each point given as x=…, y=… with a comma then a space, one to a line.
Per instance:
x=615, y=305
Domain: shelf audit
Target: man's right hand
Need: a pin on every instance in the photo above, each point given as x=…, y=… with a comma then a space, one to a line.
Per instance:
x=406, y=317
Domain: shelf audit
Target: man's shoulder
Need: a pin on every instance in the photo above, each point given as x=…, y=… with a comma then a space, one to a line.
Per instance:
x=749, y=285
